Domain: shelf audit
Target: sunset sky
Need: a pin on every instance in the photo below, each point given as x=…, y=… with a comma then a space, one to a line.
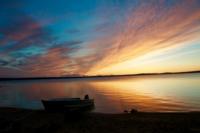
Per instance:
x=98, y=37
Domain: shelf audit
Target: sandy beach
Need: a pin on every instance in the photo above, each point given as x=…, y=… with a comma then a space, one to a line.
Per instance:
x=23, y=121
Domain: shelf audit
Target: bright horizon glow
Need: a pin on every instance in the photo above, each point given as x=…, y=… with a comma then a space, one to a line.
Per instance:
x=98, y=37
x=153, y=63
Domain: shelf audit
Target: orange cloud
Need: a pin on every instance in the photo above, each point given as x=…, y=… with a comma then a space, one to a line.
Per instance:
x=52, y=63
x=147, y=29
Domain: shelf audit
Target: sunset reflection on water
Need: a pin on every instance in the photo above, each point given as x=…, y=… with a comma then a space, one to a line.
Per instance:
x=112, y=95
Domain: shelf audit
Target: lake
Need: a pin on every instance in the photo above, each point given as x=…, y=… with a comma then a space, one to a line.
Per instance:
x=159, y=93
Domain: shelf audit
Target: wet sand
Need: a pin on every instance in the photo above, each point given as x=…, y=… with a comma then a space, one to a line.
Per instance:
x=23, y=121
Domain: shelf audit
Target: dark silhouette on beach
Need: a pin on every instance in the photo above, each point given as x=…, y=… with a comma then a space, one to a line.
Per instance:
x=23, y=121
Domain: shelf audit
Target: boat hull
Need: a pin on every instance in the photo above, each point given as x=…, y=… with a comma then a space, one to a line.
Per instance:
x=68, y=106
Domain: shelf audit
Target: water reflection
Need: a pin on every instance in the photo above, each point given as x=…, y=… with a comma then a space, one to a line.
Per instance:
x=112, y=95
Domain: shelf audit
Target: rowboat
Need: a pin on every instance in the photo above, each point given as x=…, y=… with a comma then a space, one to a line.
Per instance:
x=68, y=104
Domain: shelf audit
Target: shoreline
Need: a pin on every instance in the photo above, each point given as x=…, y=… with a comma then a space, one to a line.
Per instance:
x=23, y=120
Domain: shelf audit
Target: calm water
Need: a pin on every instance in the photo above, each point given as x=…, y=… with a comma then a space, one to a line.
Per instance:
x=112, y=95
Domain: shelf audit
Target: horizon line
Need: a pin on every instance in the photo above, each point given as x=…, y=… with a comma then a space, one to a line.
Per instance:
x=93, y=76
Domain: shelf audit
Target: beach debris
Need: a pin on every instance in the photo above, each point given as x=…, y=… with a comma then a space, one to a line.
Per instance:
x=125, y=111
x=133, y=111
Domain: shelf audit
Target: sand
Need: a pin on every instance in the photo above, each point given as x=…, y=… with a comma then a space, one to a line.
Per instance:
x=29, y=121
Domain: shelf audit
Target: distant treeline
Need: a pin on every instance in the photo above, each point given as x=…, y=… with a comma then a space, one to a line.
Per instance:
x=67, y=77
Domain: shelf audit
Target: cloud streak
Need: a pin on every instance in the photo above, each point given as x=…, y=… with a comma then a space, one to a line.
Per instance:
x=96, y=44
x=148, y=28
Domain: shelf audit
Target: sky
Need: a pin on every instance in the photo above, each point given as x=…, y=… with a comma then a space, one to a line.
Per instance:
x=98, y=37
